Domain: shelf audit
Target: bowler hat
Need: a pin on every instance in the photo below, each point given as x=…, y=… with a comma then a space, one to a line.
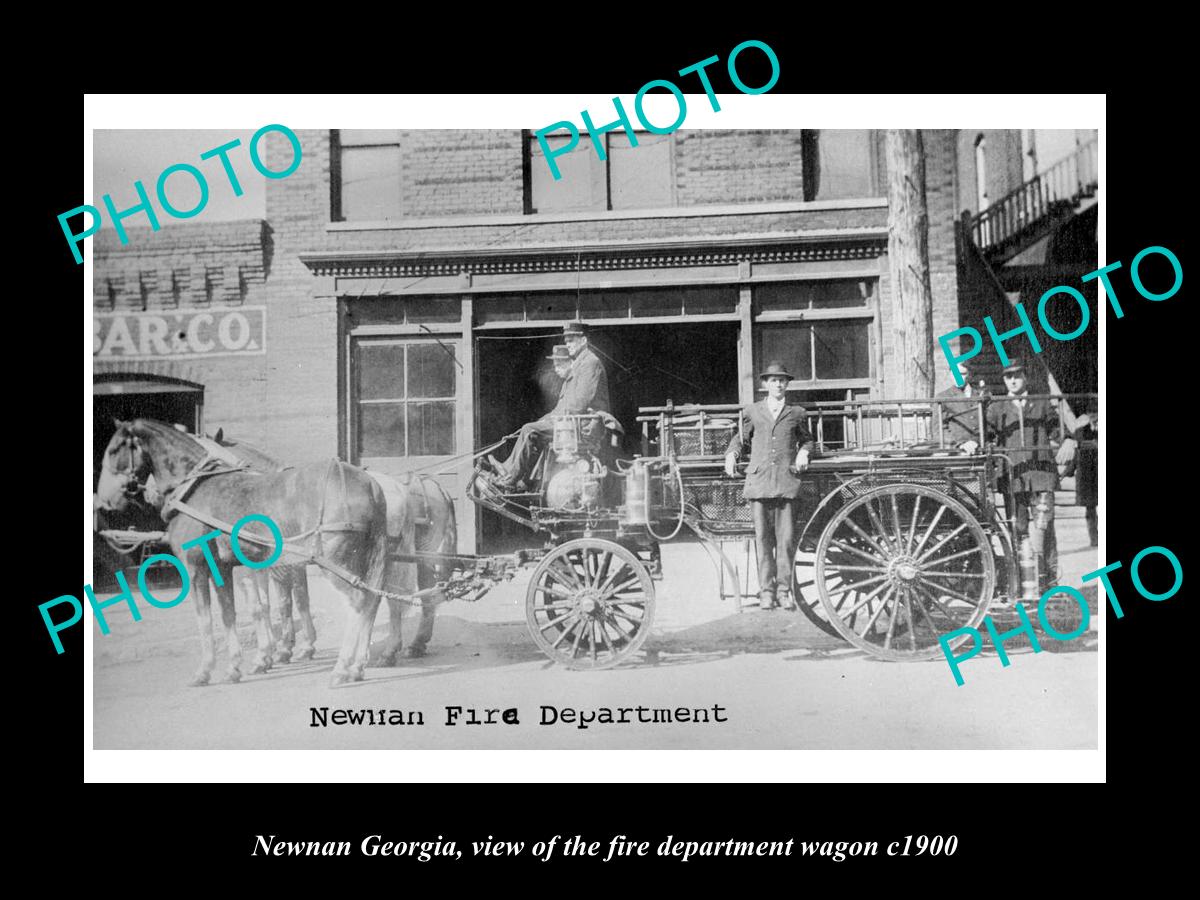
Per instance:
x=562, y=353
x=574, y=329
x=1015, y=364
x=775, y=367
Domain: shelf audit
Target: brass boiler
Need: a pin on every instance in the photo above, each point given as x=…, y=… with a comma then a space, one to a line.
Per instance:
x=578, y=485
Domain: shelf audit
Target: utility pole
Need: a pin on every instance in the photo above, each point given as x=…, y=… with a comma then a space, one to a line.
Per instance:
x=908, y=261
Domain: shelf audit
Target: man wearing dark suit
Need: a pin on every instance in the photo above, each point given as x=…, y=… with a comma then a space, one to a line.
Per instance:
x=584, y=389
x=960, y=419
x=1024, y=430
x=779, y=448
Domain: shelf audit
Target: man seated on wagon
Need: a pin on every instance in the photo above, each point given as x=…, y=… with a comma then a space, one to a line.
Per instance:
x=584, y=390
x=960, y=419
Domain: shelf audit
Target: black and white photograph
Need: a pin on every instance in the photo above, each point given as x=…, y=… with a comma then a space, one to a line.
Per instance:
x=736, y=437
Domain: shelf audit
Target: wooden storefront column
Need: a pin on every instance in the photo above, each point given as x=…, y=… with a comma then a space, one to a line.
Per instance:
x=745, y=337
x=468, y=521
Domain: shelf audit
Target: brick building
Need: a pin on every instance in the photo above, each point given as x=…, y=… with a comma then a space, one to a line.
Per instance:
x=396, y=306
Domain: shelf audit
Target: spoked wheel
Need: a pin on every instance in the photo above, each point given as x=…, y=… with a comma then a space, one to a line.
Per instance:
x=902, y=565
x=590, y=604
x=806, y=594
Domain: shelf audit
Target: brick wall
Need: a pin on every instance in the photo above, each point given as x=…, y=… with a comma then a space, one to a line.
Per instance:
x=738, y=167
x=941, y=202
x=1002, y=161
x=193, y=264
x=185, y=266
x=448, y=173
x=288, y=402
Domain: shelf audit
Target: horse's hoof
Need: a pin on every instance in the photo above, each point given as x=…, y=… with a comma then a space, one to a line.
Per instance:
x=416, y=651
x=386, y=660
x=340, y=678
x=306, y=653
x=261, y=667
x=283, y=656
x=200, y=679
x=359, y=675
x=235, y=676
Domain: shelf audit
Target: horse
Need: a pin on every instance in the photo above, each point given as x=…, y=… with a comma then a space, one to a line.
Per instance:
x=420, y=517
x=281, y=586
x=301, y=501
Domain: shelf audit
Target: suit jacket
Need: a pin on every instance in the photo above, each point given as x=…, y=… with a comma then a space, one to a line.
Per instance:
x=584, y=388
x=774, y=443
x=1087, y=462
x=1032, y=469
x=960, y=420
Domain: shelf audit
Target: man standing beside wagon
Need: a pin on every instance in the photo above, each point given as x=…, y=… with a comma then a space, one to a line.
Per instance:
x=779, y=449
x=1024, y=428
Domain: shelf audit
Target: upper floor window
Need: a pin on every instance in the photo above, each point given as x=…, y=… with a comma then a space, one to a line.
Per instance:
x=981, y=183
x=842, y=164
x=366, y=175
x=630, y=177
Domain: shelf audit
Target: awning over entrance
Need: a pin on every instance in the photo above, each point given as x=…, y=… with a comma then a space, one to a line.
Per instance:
x=145, y=387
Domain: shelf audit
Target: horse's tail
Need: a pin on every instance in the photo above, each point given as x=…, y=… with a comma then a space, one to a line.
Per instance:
x=448, y=542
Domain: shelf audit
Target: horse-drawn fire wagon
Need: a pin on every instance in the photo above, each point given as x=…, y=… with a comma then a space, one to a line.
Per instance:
x=903, y=537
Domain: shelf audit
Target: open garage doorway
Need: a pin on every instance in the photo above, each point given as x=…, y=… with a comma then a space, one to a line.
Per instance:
x=647, y=365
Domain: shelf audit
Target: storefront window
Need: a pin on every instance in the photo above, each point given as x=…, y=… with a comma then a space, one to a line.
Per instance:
x=552, y=306
x=405, y=398
x=821, y=330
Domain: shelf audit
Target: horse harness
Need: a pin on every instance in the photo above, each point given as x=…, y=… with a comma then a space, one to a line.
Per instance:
x=176, y=503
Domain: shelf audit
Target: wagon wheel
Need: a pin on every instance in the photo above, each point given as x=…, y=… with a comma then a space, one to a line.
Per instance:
x=805, y=592
x=902, y=565
x=590, y=604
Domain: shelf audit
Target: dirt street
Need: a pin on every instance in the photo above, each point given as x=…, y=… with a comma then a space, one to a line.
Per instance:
x=779, y=681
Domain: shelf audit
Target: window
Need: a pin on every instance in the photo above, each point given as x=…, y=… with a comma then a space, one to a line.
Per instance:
x=630, y=303
x=366, y=176
x=404, y=398
x=840, y=164
x=820, y=330
x=630, y=177
x=981, y=191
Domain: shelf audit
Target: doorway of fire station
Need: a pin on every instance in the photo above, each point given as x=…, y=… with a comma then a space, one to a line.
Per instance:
x=647, y=365
x=126, y=397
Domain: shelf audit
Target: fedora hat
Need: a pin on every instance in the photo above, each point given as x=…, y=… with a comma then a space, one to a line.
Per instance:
x=775, y=367
x=561, y=353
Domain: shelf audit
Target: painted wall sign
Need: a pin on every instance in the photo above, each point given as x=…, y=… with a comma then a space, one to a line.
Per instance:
x=180, y=333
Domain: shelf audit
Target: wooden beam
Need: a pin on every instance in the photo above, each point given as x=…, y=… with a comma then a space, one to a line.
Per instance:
x=466, y=427
x=745, y=347
x=908, y=256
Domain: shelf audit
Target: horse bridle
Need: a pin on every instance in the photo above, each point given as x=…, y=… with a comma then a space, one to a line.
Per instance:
x=134, y=486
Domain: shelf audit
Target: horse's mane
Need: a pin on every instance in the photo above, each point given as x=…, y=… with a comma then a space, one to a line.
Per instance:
x=169, y=433
x=256, y=456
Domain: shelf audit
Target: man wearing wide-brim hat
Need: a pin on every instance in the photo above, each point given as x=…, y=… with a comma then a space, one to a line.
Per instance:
x=780, y=444
x=584, y=389
x=1028, y=431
